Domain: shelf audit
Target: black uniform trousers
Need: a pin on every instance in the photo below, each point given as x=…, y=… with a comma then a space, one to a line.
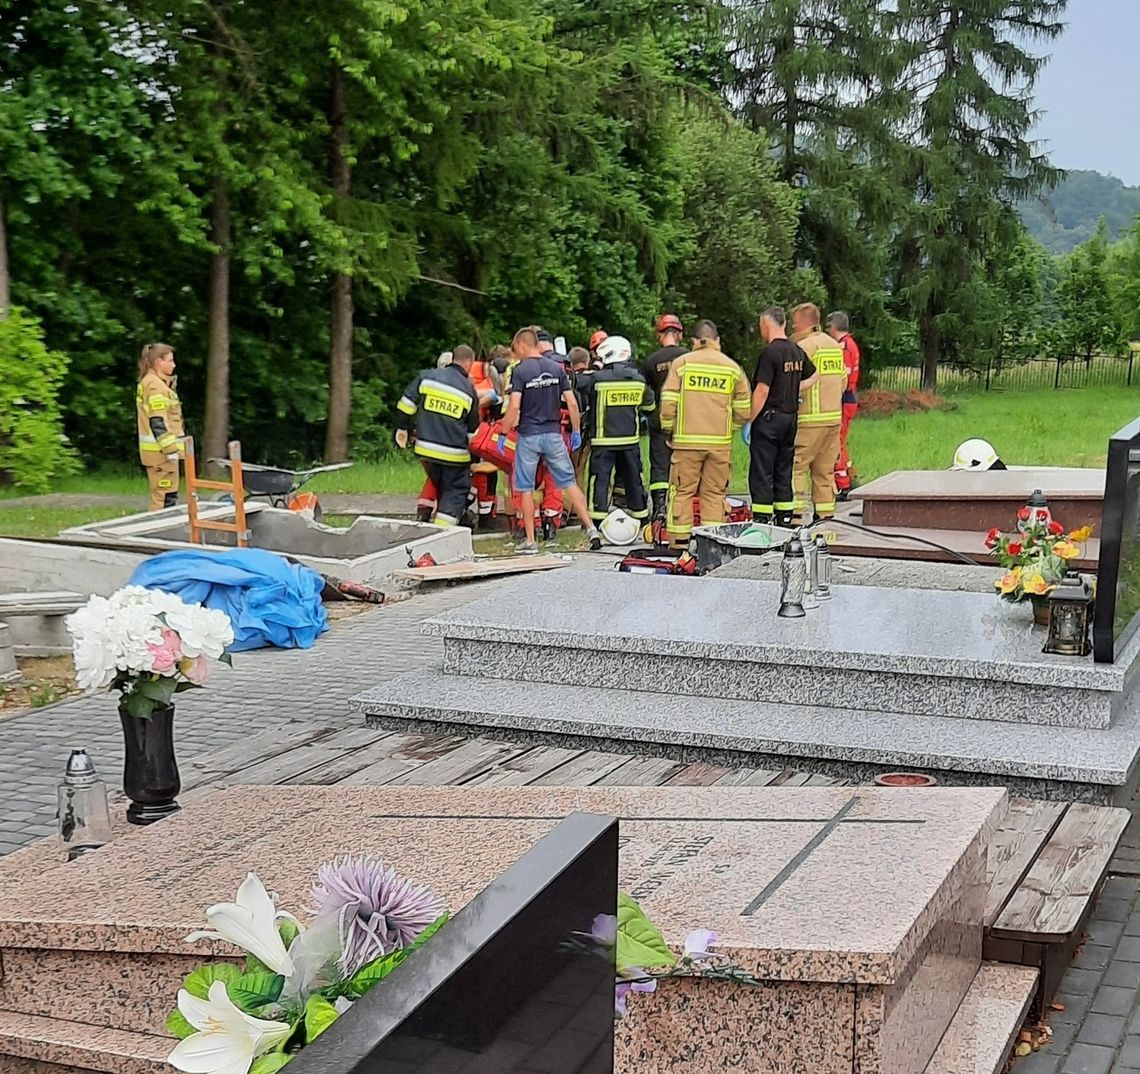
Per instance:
x=624, y=463
x=773, y=452
x=452, y=485
x=660, y=459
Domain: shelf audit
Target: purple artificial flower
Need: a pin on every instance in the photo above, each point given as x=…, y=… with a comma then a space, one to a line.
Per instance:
x=380, y=910
x=623, y=988
x=697, y=944
x=604, y=930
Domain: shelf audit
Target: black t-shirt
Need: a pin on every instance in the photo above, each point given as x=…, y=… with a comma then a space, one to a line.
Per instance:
x=656, y=369
x=541, y=381
x=782, y=365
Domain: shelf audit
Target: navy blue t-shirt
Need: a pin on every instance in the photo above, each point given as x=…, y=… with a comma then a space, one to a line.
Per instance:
x=541, y=382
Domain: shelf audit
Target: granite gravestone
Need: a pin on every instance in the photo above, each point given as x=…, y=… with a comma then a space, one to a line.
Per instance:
x=1115, y=617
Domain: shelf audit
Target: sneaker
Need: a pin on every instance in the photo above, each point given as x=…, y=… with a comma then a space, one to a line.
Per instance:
x=548, y=529
x=595, y=539
x=528, y=548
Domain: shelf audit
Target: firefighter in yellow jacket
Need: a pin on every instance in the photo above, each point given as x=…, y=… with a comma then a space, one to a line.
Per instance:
x=820, y=416
x=705, y=398
x=160, y=424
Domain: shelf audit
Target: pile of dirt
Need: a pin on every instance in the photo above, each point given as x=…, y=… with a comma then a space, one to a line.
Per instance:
x=876, y=403
x=45, y=681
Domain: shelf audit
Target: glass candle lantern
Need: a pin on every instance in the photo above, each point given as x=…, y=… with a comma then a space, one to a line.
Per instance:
x=1070, y=612
x=793, y=580
x=84, y=819
x=1035, y=512
x=823, y=568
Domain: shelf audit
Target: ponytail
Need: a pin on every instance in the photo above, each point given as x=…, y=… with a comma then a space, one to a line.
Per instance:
x=152, y=353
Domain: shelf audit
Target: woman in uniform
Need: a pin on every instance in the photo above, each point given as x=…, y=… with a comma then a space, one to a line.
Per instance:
x=160, y=424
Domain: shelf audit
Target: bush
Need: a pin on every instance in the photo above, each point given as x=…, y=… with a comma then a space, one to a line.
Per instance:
x=33, y=448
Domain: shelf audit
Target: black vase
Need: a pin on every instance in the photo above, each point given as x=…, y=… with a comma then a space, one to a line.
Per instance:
x=150, y=772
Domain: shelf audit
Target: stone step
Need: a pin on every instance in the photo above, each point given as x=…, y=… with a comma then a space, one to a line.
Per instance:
x=1056, y=762
x=868, y=649
x=30, y=1044
x=979, y=1039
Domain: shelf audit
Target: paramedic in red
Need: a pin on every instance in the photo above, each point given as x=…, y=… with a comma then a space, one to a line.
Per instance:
x=839, y=328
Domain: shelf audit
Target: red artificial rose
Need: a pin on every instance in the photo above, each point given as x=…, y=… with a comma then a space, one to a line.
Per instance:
x=1056, y=529
x=992, y=537
x=1013, y=548
x=1023, y=514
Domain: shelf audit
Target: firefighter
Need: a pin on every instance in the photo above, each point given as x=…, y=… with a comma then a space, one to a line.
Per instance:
x=616, y=396
x=596, y=340
x=839, y=328
x=820, y=416
x=485, y=475
x=782, y=371
x=580, y=377
x=160, y=424
x=442, y=407
x=705, y=397
x=656, y=371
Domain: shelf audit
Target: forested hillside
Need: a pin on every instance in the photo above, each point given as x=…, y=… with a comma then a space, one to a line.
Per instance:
x=1063, y=218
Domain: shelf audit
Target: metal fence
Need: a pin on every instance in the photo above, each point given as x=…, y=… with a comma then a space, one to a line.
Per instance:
x=1100, y=371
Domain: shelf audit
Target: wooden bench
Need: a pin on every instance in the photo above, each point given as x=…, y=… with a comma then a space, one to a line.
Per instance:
x=1047, y=864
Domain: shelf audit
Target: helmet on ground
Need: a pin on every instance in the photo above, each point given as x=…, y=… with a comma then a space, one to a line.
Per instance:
x=669, y=322
x=443, y=359
x=597, y=338
x=618, y=528
x=614, y=349
x=976, y=454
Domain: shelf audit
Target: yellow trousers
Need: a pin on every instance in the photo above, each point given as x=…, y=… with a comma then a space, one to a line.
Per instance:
x=817, y=448
x=697, y=472
x=163, y=479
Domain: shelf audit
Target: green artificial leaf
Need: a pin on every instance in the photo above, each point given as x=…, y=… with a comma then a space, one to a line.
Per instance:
x=374, y=972
x=252, y=991
x=138, y=705
x=319, y=1015
x=428, y=932
x=158, y=690
x=227, y=659
x=639, y=941
x=198, y=983
x=268, y=1064
x=177, y=1025
x=254, y=965
x=186, y=684
x=289, y=930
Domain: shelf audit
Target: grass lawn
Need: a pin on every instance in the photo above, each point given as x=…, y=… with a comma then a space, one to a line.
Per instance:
x=1043, y=428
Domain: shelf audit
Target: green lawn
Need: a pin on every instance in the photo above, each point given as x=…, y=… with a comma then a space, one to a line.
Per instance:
x=1043, y=428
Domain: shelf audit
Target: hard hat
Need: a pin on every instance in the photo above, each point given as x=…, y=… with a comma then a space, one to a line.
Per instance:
x=618, y=528
x=975, y=454
x=614, y=349
x=597, y=338
x=669, y=322
x=443, y=359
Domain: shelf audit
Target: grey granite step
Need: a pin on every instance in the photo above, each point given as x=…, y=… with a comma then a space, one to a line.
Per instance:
x=1057, y=762
x=868, y=649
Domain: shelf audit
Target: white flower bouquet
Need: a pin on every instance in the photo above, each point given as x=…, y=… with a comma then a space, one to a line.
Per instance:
x=147, y=644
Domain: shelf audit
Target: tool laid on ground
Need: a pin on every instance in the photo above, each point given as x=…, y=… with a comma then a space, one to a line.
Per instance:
x=341, y=589
x=280, y=487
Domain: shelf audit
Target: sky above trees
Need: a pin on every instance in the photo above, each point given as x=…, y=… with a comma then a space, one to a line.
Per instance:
x=1088, y=89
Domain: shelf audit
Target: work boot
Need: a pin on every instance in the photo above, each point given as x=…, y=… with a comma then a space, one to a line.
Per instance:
x=548, y=530
x=660, y=503
x=785, y=519
x=423, y=514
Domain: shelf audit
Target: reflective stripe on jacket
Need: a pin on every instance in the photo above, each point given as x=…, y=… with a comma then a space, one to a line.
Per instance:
x=616, y=396
x=822, y=403
x=159, y=419
x=441, y=406
x=706, y=395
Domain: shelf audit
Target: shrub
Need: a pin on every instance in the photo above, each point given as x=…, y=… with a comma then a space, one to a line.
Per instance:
x=33, y=448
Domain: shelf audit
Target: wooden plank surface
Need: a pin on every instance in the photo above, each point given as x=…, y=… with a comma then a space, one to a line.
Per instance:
x=748, y=777
x=476, y=755
x=410, y=752
x=1027, y=825
x=485, y=568
x=642, y=772
x=295, y=762
x=697, y=774
x=588, y=767
x=522, y=770
x=1047, y=906
x=250, y=751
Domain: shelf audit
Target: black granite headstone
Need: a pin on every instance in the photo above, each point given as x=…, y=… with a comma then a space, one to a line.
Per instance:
x=1117, y=612
x=507, y=986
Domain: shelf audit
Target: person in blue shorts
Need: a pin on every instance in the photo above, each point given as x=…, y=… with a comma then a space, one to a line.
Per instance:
x=539, y=388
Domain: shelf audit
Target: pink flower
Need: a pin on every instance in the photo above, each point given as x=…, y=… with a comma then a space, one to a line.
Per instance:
x=165, y=653
x=196, y=669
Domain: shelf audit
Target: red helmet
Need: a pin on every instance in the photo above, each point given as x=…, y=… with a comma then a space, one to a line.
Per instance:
x=598, y=337
x=669, y=322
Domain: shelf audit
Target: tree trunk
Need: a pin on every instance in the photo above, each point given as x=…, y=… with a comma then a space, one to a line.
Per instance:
x=215, y=434
x=5, y=279
x=928, y=335
x=340, y=343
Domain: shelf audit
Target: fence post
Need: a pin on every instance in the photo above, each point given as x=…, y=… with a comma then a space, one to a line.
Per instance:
x=989, y=362
x=1131, y=355
x=1057, y=376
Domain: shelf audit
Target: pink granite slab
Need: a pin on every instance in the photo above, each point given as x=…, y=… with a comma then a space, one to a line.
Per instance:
x=821, y=883
x=75, y=1045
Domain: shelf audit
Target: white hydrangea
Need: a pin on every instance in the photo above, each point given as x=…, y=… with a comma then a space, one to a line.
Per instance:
x=204, y=631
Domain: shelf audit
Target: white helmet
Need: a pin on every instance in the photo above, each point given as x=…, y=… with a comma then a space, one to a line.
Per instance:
x=614, y=349
x=618, y=528
x=975, y=455
x=444, y=359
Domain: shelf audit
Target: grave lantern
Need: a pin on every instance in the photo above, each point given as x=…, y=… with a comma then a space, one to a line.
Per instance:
x=83, y=817
x=793, y=580
x=1035, y=512
x=1070, y=611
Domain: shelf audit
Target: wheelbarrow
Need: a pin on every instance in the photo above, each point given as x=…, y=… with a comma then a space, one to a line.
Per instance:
x=280, y=486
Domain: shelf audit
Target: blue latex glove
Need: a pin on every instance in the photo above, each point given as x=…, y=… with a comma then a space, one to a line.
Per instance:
x=502, y=442
x=575, y=440
x=746, y=434
x=496, y=398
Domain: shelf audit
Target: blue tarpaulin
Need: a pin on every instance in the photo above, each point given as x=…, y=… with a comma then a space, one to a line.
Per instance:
x=269, y=600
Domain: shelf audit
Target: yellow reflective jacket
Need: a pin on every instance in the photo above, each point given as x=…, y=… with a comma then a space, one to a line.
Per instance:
x=160, y=419
x=706, y=396
x=822, y=403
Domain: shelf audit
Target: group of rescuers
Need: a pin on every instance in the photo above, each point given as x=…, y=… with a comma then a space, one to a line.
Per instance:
x=563, y=423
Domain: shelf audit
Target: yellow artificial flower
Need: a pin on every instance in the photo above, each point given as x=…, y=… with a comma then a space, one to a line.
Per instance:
x=1009, y=581
x=1066, y=550
x=1083, y=534
x=1036, y=585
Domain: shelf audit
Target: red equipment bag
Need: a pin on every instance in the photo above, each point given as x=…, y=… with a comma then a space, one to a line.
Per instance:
x=485, y=445
x=657, y=561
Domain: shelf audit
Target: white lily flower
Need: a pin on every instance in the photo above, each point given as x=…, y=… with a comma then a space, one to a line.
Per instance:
x=251, y=924
x=228, y=1040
